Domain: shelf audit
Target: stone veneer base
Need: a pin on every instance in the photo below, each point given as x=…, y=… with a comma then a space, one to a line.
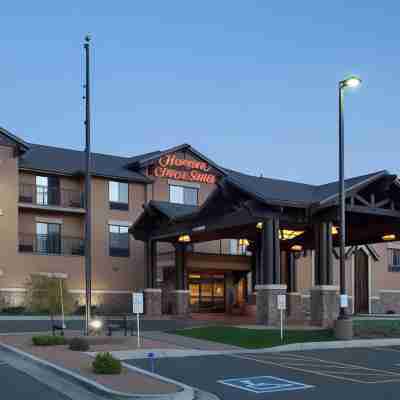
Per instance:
x=152, y=302
x=180, y=303
x=324, y=305
x=267, y=304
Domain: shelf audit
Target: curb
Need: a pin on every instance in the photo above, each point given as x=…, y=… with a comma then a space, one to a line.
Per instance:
x=336, y=344
x=186, y=392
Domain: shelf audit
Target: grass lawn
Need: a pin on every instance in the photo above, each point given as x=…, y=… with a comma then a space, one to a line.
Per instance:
x=254, y=338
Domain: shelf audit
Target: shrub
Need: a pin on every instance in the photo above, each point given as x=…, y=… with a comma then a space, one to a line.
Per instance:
x=105, y=363
x=47, y=340
x=78, y=344
x=14, y=310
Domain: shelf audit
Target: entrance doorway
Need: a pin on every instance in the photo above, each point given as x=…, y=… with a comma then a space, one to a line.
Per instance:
x=361, y=283
x=207, y=292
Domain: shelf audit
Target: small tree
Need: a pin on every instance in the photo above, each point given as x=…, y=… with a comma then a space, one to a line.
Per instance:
x=47, y=294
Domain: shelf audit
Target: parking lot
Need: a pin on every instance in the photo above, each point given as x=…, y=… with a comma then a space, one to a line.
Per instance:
x=328, y=374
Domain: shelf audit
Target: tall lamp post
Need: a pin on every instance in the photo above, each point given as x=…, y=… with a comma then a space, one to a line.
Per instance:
x=351, y=82
x=88, y=236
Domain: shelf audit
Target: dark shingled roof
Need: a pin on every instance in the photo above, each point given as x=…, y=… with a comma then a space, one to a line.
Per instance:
x=72, y=162
x=15, y=139
x=173, y=210
x=276, y=190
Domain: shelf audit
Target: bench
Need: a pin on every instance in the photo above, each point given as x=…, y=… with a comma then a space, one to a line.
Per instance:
x=119, y=323
x=57, y=327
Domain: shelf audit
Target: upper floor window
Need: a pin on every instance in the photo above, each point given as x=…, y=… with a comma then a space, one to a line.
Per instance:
x=183, y=195
x=238, y=247
x=48, y=238
x=119, y=241
x=118, y=195
x=394, y=260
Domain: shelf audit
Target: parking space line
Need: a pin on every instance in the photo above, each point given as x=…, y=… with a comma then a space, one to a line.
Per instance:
x=296, y=368
x=332, y=369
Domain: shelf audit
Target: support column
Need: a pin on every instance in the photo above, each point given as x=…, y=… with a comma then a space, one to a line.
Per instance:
x=152, y=295
x=180, y=296
x=324, y=296
x=270, y=283
x=294, y=303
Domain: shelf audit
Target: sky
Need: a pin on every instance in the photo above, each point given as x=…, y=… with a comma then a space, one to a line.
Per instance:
x=251, y=84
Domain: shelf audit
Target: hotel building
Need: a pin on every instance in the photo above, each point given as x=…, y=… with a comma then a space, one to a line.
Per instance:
x=194, y=236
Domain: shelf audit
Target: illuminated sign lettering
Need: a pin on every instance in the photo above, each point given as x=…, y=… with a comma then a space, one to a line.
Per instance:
x=171, y=167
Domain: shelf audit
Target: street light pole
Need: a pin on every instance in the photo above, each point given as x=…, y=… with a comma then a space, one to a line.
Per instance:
x=88, y=247
x=342, y=205
x=343, y=330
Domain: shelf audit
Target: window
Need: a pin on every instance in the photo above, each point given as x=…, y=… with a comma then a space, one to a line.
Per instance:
x=42, y=190
x=238, y=247
x=119, y=241
x=183, y=195
x=48, y=238
x=118, y=195
x=394, y=260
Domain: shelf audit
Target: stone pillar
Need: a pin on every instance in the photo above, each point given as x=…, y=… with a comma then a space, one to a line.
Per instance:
x=152, y=302
x=267, y=304
x=324, y=305
x=270, y=276
x=180, y=297
x=180, y=303
x=324, y=296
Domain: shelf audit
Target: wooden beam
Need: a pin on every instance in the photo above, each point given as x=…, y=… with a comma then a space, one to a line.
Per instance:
x=373, y=211
x=362, y=200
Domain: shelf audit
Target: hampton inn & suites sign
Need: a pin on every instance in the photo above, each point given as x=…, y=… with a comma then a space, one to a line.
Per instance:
x=170, y=166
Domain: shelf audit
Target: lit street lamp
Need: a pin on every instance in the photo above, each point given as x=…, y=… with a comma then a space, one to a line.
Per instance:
x=351, y=82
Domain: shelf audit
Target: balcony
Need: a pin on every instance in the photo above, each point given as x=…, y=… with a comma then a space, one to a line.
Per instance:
x=51, y=245
x=35, y=196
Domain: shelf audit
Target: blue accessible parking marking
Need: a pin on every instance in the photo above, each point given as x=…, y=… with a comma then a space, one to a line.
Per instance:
x=264, y=384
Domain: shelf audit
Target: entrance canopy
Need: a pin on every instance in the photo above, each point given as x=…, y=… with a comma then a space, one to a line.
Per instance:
x=241, y=203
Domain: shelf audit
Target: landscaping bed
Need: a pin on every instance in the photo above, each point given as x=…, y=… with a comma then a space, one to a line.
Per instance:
x=127, y=381
x=255, y=338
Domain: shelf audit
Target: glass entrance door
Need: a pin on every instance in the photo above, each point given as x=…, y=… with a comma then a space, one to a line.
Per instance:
x=207, y=292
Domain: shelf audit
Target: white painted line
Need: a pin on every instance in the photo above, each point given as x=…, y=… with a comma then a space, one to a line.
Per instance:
x=341, y=375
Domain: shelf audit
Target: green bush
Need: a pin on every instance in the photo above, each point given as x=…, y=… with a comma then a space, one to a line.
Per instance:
x=14, y=310
x=105, y=363
x=47, y=340
x=79, y=344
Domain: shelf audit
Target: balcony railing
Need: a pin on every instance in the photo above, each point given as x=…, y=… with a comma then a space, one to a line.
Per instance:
x=50, y=196
x=51, y=244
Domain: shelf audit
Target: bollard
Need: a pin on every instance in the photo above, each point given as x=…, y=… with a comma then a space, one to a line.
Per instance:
x=152, y=361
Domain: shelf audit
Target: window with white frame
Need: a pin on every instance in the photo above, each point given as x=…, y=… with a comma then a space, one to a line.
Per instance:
x=118, y=195
x=183, y=195
x=118, y=241
x=394, y=260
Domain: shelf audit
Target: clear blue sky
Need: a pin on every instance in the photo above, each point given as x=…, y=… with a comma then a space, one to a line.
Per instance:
x=252, y=84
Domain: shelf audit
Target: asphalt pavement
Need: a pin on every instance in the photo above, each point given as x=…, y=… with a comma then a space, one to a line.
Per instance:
x=328, y=374
x=17, y=385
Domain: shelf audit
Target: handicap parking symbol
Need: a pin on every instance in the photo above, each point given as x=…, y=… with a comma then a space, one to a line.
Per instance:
x=264, y=384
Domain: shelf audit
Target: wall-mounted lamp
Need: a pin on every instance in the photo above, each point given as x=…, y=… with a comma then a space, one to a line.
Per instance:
x=296, y=247
x=334, y=230
x=184, y=239
x=259, y=225
x=388, y=237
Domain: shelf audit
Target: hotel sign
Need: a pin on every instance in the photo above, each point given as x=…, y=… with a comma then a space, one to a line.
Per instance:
x=172, y=167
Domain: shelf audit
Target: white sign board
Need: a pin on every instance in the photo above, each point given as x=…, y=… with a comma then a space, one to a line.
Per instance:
x=344, y=301
x=137, y=303
x=281, y=302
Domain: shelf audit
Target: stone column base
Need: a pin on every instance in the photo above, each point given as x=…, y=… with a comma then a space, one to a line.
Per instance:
x=295, y=310
x=324, y=305
x=152, y=302
x=344, y=329
x=180, y=303
x=267, y=304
